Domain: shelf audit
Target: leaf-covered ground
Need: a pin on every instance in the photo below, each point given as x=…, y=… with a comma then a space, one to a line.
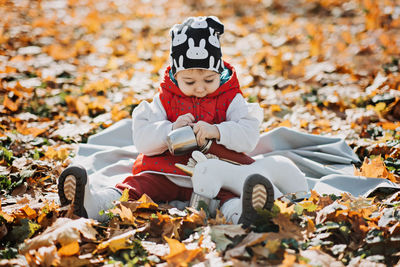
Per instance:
x=70, y=68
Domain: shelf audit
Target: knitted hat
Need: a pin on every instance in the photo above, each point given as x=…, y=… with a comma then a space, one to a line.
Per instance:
x=195, y=44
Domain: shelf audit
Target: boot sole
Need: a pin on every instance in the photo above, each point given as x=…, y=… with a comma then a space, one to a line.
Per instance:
x=71, y=188
x=258, y=193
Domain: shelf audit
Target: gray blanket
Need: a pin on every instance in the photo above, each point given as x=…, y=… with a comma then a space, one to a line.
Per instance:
x=326, y=161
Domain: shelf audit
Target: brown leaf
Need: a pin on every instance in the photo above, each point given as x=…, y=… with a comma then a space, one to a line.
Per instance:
x=287, y=228
x=250, y=240
x=3, y=230
x=230, y=230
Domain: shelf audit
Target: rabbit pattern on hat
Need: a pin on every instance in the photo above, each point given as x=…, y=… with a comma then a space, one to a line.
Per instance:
x=195, y=44
x=197, y=52
x=199, y=22
x=179, y=38
x=213, y=39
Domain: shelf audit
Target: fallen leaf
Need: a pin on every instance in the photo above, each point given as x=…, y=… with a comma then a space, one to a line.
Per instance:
x=69, y=249
x=179, y=255
x=285, y=207
x=125, y=195
x=375, y=168
x=10, y=105
x=317, y=257
x=122, y=241
x=3, y=230
x=146, y=202
x=250, y=240
x=220, y=233
x=43, y=256
x=288, y=260
x=63, y=231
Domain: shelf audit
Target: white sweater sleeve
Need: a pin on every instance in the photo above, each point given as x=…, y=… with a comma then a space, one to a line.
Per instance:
x=150, y=127
x=240, y=132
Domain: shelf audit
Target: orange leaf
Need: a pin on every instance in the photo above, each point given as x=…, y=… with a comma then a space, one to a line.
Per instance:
x=146, y=202
x=10, y=105
x=59, y=52
x=81, y=105
x=30, y=213
x=6, y=216
x=175, y=247
x=117, y=113
x=390, y=125
x=60, y=154
x=179, y=255
x=275, y=108
x=289, y=260
x=23, y=129
x=50, y=153
x=375, y=168
x=69, y=249
x=285, y=123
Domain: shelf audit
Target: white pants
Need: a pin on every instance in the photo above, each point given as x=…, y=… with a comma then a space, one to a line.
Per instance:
x=94, y=202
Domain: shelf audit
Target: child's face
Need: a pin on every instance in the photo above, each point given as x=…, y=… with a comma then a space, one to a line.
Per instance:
x=197, y=82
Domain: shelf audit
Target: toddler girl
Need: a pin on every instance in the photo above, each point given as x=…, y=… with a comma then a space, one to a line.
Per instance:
x=200, y=90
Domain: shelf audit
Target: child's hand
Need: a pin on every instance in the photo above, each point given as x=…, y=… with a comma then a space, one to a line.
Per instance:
x=183, y=120
x=204, y=131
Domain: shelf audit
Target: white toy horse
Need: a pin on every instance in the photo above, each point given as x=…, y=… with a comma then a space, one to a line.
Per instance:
x=251, y=182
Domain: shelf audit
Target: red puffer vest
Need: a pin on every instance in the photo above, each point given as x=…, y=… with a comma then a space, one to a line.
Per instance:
x=211, y=108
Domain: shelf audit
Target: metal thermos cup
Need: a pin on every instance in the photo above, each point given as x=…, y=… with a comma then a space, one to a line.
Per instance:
x=182, y=140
